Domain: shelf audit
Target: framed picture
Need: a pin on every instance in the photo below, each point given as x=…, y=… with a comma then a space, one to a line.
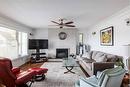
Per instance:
x=106, y=36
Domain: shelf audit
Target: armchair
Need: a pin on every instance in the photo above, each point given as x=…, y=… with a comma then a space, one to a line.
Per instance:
x=107, y=78
x=13, y=77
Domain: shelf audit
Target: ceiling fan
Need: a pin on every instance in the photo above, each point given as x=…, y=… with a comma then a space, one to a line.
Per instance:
x=61, y=23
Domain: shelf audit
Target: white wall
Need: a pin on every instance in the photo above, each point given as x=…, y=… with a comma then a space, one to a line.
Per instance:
x=121, y=33
x=6, y=22
x=55, y=42
x=41, y=34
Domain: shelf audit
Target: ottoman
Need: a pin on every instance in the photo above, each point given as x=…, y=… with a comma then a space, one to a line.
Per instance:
x=39, y=73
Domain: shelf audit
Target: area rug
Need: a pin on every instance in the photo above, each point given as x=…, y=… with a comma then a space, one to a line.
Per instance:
x=55, y=76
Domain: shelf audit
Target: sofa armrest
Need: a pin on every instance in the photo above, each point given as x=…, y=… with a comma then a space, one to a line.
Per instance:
x=87, y=83
x=100, y=66
x=79, y=58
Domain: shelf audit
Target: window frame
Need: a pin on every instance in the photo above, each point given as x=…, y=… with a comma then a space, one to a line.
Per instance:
x=20, y=44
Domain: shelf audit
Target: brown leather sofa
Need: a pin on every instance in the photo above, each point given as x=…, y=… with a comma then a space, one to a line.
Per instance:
x=98, y=61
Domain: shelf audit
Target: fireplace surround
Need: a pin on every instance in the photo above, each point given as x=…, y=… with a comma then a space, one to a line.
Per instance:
x=61, y=52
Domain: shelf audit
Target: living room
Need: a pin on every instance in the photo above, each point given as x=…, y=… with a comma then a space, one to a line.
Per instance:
x=76, y=28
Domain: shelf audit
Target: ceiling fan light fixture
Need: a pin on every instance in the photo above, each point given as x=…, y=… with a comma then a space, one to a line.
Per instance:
x=62, y=23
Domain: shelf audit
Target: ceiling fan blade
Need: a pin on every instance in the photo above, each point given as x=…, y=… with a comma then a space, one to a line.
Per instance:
x=69, y=22
x=55, y=22
x=70, y=25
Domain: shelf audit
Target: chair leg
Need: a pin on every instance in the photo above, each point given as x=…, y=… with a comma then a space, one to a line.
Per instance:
x=43, y=76
x=39, y=77
x=25, y=85
x=32, y=81
x=30, y=84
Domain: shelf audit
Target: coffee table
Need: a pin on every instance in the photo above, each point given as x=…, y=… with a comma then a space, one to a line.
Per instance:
x=69, y=63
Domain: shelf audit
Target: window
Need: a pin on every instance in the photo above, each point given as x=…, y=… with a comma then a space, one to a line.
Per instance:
x=80, y=49
x=8, y=43
x=22, y=41
x=12, y=43
x=81, y=38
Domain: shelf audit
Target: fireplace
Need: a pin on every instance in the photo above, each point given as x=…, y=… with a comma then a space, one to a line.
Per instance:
x=61, y=53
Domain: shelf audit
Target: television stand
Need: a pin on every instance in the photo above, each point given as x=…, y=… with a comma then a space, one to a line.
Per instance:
x=38, y=57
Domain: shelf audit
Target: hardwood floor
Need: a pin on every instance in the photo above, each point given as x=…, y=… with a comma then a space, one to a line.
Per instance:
x=30, y=65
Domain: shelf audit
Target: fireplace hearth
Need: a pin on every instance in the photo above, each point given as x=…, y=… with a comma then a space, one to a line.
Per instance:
x=62, y=53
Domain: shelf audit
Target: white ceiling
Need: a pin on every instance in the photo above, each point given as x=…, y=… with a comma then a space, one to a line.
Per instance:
x=39, y=13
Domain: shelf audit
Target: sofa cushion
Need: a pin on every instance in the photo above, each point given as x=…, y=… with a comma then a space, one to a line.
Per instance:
x=111, y=58
x=93, y=54
x=98, y=56
x=101, y=58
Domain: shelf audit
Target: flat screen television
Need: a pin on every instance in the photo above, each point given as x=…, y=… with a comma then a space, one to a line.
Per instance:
x=38, y=44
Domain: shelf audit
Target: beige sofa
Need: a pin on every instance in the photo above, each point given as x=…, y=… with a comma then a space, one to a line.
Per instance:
x=97, y=61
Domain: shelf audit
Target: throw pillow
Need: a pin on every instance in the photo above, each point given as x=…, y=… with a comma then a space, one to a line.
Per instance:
x=111, y=58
